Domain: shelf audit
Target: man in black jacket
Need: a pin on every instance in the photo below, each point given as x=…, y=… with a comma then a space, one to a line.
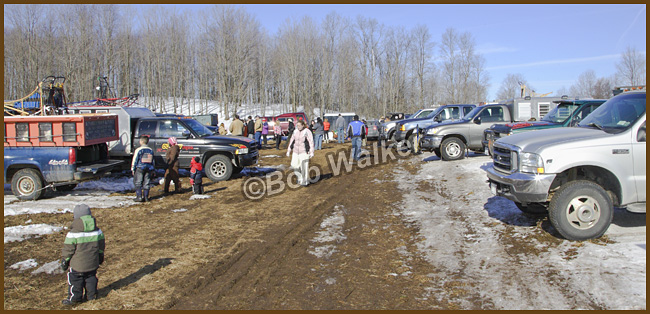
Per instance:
x=250, y=127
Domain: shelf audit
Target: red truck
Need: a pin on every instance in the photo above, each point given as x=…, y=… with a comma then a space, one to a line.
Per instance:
x=284, y=120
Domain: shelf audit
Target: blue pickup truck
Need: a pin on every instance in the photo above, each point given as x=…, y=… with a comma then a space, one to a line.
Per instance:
x=42, y=152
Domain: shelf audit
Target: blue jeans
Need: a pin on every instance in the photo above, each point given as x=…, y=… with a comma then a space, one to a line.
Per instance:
x=141, y=179
x=356, y=147
x=341, y=136
x=258, y=138
x=318, y=141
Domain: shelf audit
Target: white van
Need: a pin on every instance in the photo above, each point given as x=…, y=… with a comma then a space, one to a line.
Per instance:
x=331, y=118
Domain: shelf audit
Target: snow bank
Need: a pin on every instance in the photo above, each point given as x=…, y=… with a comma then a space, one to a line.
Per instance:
x=51, y=268
x=20, y=233
x=64, y=203
x=24, y=265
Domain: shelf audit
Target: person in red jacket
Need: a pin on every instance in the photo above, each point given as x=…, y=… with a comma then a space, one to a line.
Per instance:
x=196, y=175
x=326, y=129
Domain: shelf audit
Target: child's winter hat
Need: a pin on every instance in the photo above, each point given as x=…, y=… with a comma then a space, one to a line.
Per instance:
x=81, y=210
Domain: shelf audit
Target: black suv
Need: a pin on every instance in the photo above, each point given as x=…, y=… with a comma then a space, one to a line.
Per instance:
x=221, y=155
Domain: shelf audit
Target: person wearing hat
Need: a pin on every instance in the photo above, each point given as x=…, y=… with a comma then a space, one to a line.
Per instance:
x=258, y=131
x=83, y=252
x=171, y=158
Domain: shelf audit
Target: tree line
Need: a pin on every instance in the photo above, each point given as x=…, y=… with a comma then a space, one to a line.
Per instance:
x=223, y=54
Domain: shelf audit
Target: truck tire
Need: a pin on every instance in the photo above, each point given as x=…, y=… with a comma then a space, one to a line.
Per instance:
x=27, y=184
x=218, y=168
x=236, y=170
x=437, y=152
x=67, y=187
x=581, y=210
x=452, y=148
x=534, y=209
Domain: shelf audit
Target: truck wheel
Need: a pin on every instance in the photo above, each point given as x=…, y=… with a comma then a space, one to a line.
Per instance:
x=437, y=152
x=452, y=149
x=27, y=184
x=581, y=210
x=532, y=208
x=67, y=187
x=218, y=168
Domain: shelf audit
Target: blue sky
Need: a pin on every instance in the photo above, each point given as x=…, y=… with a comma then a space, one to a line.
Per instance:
x=550, y=44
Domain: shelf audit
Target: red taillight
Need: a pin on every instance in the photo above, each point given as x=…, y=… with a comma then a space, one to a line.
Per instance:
x=72, y=156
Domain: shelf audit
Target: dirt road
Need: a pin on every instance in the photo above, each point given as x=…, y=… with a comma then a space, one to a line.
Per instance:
x=416, y=233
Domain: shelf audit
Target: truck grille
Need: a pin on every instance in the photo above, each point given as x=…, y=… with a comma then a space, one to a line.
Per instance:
x=505, y=159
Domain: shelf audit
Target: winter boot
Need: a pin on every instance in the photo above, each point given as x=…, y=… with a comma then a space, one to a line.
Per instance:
x=201, y=189
x=138, y=195
x=146, y=195
x=68, y=302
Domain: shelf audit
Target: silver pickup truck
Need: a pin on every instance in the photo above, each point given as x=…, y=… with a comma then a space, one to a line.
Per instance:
x=578, y=174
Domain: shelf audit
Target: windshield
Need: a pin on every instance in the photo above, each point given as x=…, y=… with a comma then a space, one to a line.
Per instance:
x=197, y=127
x=470, y=115
x=560, y=113
x=617, y=114
x=432, y=114
x=422, y=113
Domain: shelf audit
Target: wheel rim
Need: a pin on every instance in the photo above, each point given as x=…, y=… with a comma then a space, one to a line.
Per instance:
x=583, y=212
x=26, y=186
x=218, y=169
x=453, y=149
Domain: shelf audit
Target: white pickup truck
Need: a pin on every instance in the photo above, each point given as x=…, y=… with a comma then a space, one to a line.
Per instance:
x=578, y=174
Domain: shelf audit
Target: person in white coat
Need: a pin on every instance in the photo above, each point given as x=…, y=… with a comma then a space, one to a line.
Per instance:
x=302, y=144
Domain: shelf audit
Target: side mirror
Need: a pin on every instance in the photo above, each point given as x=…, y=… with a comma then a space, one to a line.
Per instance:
x=477, y=120
x=437, y=119
x=640, y=136
x=186, y=134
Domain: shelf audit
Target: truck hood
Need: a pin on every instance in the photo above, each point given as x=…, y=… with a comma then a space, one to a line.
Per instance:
x=450, y=122
x=229, y=139
x=536, y=141
x=519, y=125
x=505, y=128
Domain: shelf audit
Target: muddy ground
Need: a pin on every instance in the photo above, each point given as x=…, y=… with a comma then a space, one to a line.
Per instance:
x=341, y=243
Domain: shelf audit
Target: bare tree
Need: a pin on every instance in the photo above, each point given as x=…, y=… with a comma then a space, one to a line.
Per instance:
x=511, y=86
x=631, y=68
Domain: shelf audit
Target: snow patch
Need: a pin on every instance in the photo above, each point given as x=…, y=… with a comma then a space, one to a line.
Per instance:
x=20, y=233
x=51, y=268
x=179, y=210
x=65, y=203
x=331, y=232
x=24, y=265
x=199, y=197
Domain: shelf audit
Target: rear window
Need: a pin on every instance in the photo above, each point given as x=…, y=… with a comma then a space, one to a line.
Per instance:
x=22, y=132
x=45, y=132
x=69, y=132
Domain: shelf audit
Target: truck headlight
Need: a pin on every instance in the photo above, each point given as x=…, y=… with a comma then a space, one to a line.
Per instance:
x=402, y=128
x=241, y=151
x=531, y=163
x=432, y=131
